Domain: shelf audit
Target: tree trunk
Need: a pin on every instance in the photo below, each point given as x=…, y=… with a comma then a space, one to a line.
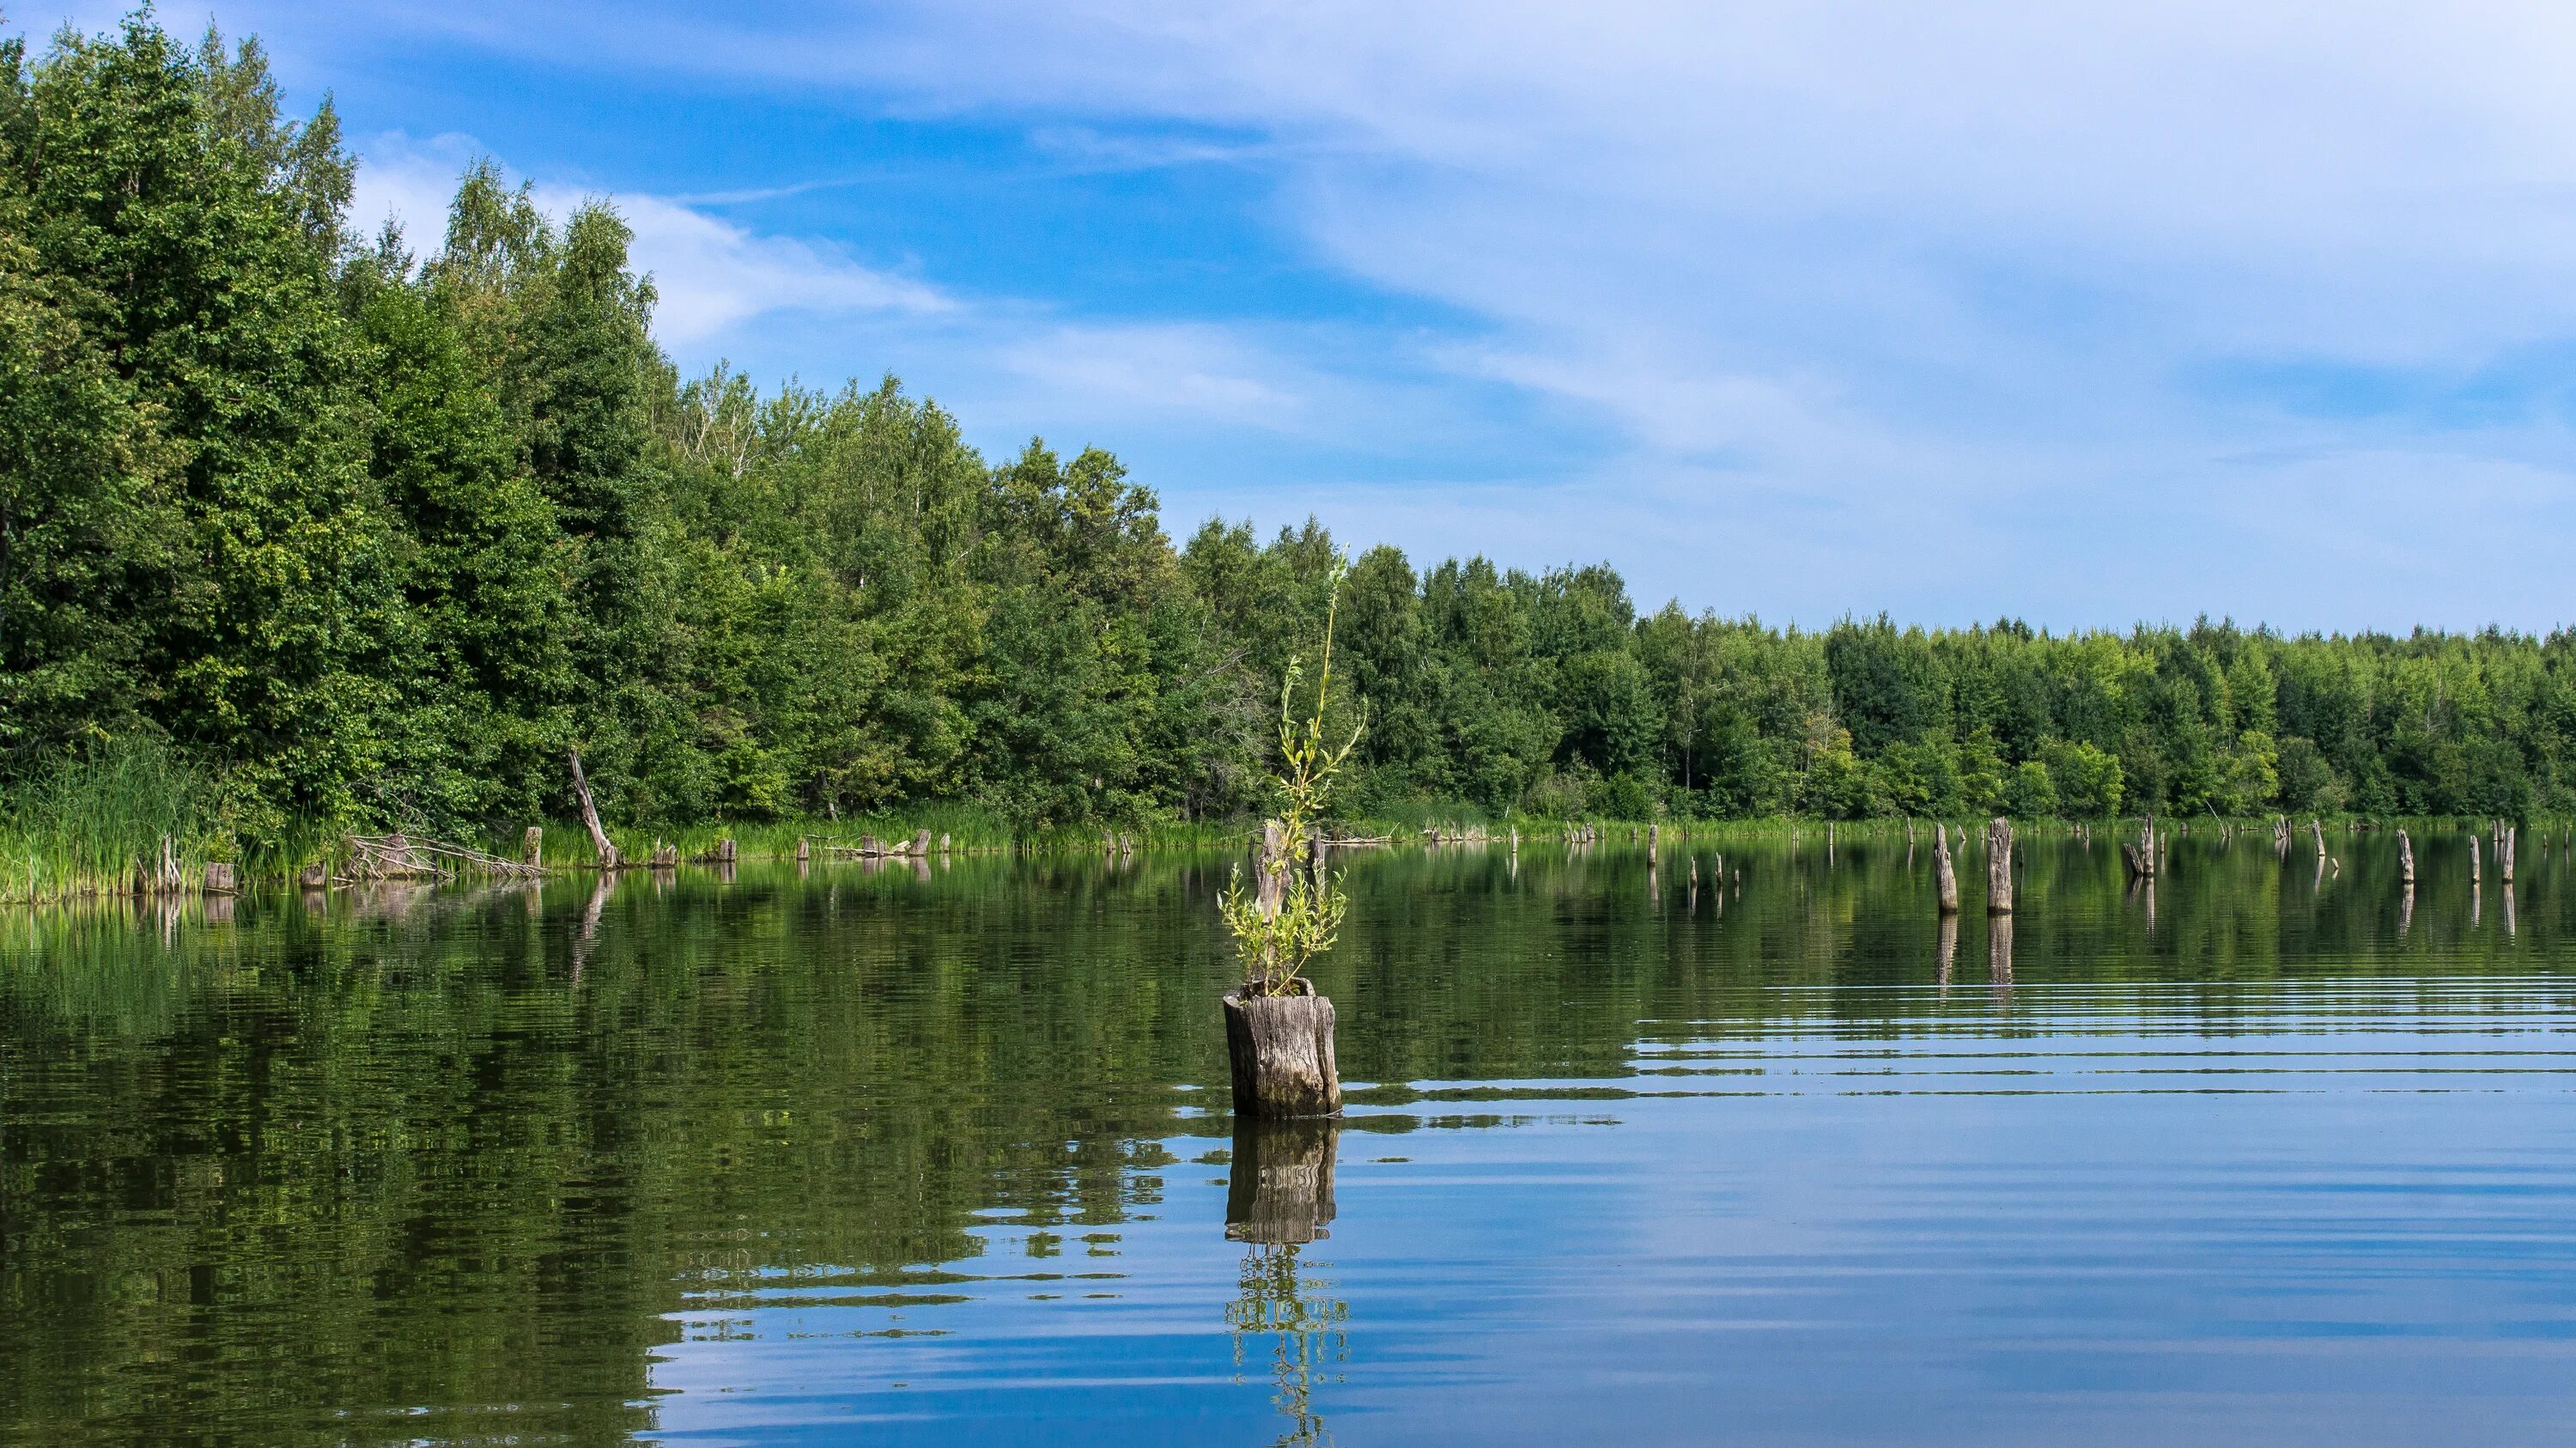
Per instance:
x=599, y=842
x=1999, y=867
x=2405, y=860
x=532, y=845
x=2504, y=858
x=219, y=878
x=1270, y=867
x=2473, y=860
x=1281, y=1051
x=1279, y=1188
x=1945, y=878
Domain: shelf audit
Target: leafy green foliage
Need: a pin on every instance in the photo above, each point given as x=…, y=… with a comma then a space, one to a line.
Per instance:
x=1297, y=912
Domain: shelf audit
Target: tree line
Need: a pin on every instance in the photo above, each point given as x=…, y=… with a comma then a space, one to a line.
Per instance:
x=358, y=532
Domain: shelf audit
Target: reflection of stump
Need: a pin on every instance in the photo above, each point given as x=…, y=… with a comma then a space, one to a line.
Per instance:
x=1281, y=1052
x=1999, y=931
x=1281, y=1187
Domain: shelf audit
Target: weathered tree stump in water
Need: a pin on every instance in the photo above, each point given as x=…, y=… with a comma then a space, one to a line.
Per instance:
x=1281, y=1052
x=2405, y=860
x=1654, y=841
x=1279, y=1189
x=2473, y=862
x=1945, y=879
x=2504, y=856
x=1999, y=876
x=532, y=846
x=219, y=878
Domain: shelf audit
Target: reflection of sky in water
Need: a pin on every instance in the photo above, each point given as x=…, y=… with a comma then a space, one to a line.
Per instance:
x=2339, y=1215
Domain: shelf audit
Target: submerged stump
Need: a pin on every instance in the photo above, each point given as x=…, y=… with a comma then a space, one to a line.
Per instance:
x=1280, y=1049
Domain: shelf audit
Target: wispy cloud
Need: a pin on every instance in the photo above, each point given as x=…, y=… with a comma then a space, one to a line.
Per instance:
x=1828, y=277
x=712, y=275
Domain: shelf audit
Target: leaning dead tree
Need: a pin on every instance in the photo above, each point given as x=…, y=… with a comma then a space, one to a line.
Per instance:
x=609, y=859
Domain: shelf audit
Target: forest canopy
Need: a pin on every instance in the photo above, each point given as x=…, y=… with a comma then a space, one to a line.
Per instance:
x=374, y=529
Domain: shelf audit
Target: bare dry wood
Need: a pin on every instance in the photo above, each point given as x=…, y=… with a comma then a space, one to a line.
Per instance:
x=1270, y=868
x=1999, y=867
x=1280, y=1049
x=609, y=859
x=1945, y=878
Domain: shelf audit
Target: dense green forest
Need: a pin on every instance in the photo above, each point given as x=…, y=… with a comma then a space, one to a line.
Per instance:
x=310, y=529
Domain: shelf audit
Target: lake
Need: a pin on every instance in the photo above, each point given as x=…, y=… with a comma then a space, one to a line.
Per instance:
x=944, y=1155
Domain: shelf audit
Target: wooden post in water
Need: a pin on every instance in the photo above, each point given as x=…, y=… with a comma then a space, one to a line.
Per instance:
x=2405, y=861
x=2504, y=857
x=2317, y=827
x=2473, y=862
x=1945, y=880
x=1999, y=867
x=804, y=849
x=219, y=878
x=532, y=846
x=1654, y=843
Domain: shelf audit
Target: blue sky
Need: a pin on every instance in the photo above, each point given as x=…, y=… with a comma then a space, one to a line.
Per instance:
x=2082, y=314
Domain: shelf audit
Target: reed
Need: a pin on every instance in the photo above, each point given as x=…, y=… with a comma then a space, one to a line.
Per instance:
x=82, y=825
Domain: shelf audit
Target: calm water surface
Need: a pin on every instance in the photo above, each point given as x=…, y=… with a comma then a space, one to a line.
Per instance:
x=945, y=1157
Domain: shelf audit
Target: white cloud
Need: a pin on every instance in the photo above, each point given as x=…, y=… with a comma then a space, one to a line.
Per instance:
x=1836, y=277
x=712, y=275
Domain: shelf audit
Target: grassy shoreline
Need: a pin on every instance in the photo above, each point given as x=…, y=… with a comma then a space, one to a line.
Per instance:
x=40, y=867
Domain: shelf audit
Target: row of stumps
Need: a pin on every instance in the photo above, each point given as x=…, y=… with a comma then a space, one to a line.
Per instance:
x=1279, y=1049
x=1999, y=868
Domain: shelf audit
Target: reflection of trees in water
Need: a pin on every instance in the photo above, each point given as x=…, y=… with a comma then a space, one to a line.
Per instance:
x=1274, y=1299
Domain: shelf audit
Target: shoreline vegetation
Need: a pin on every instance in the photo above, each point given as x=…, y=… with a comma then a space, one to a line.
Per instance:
x=309, y=536
x=30, y=879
